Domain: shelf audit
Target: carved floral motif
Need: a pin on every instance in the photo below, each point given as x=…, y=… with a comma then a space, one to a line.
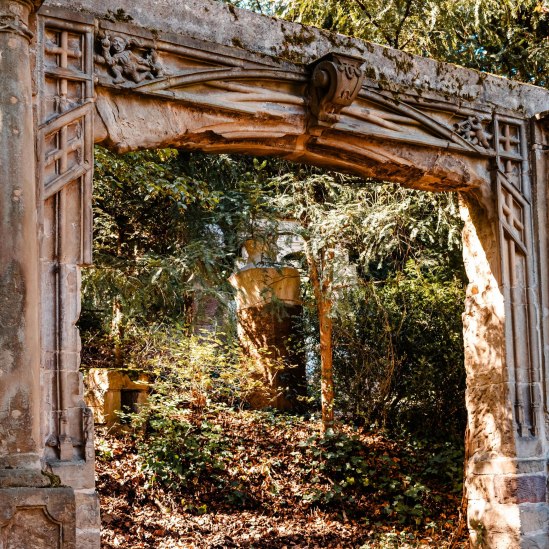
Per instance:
x=124, y=64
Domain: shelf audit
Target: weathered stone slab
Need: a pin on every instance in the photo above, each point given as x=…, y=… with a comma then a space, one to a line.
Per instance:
x=37, y=518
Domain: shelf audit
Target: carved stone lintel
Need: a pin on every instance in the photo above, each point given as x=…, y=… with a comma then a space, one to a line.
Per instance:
x=335, y=83
x=472, y=130
x=126, y=65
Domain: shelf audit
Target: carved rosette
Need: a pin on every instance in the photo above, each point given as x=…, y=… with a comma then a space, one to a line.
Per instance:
x=335, y=83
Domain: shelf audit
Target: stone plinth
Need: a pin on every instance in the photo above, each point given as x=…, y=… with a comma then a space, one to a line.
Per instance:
x=269, y=312
x=37, y=518
x=111, y=391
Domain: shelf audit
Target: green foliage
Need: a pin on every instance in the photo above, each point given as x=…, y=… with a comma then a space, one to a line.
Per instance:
x=397, y=320
x=193, y=369
x=397, y=328
x=208, y=451
x=176, y=451
x=395, y=340
x=151, y=238
x=179, y=445
x=341, y=469
x=167, y=224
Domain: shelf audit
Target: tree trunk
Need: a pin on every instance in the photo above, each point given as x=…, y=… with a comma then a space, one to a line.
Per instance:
x=117, y=333
x=322, y=288
x=326, y=368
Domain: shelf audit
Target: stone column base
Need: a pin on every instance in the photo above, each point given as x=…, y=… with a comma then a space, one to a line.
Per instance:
x=509, y=510
x=37, y=518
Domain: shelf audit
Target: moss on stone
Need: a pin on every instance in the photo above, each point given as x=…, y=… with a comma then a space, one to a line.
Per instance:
x=118, y=16
x=55, y=480
x=237, y=43
x=232, y=9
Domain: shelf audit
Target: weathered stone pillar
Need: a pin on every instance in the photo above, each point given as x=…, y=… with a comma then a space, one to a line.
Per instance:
x=19, y=274
x=268, y=310
x=506, y=462
x=32, y=513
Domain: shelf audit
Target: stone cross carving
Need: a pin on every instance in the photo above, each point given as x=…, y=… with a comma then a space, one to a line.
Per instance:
x=124, y=64
x=335, y=83
x=64, y=53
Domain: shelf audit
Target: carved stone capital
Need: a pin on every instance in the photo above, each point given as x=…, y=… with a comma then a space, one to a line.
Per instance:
x=14, y=16
x=336, y=80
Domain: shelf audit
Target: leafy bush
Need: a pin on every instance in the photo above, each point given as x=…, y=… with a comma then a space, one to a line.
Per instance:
x=180, y=445
x=342, y=469
x=396, y=339
x=178, y=450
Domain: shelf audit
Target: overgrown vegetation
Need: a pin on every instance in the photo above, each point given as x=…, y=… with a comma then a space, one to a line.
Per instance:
x=219, y=477
x=396, y=317
x=396, y=333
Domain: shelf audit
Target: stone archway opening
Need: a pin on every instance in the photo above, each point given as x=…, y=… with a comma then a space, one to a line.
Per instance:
x=102, y=446
x=265, y=277
x=198, y=76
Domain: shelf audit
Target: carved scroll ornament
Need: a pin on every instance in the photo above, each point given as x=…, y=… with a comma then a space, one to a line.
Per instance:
x=335, y=83
x=126, y=65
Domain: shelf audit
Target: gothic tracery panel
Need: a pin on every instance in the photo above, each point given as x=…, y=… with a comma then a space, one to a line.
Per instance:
x=515, y=223
x=65, y=159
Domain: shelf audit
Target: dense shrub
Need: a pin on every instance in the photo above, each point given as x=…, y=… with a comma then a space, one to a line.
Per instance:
x=399, y=353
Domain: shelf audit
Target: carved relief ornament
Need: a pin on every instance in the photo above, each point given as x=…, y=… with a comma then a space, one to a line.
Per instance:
x=336, y=81
x=472, y=130
x=14, y=24
x=124, y=64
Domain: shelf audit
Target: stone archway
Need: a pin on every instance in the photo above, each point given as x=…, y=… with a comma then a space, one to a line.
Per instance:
x=198, y=76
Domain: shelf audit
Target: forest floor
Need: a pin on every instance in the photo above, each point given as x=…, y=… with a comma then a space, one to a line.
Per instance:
x=278, y=484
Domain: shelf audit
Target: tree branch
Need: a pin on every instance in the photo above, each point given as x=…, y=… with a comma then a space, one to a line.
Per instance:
x=402, y=21
x=373, y=21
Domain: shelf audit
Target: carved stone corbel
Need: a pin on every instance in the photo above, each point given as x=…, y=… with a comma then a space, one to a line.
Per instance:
x=336, y=80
